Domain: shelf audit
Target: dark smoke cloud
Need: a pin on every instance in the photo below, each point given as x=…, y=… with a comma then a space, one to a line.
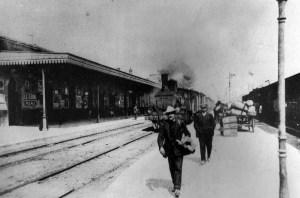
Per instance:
x=181, y=72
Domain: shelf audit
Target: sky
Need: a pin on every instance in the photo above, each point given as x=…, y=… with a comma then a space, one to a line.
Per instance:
x=208, y=39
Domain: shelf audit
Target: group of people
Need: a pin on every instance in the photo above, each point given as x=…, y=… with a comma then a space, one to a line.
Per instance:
x=171, y=145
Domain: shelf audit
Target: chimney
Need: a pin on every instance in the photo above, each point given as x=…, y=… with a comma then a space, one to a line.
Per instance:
x=172, y=85
x=164, y=81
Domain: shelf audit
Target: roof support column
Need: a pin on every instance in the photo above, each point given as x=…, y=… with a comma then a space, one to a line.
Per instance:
x=98, y=103
x=44, y=117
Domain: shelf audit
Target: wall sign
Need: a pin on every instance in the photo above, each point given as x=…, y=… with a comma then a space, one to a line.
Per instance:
x=30, y=100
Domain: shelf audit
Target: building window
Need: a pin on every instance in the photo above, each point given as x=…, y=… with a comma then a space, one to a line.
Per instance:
x=81, y=98
x=106, y=101
x=119, y=102
x=60, y=98
x=85, y=100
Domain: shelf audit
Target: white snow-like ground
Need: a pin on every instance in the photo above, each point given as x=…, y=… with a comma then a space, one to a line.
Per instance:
x=243, y=166
x=18, y=134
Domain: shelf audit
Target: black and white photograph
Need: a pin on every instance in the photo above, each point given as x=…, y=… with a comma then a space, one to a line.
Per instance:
x=149, y=99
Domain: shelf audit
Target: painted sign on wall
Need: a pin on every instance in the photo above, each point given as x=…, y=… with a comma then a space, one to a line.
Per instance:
x=31, y=97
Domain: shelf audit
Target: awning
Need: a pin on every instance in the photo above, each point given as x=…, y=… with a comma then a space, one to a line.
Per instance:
x=27, y=58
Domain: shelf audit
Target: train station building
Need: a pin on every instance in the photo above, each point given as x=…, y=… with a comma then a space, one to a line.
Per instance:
x=37, y=83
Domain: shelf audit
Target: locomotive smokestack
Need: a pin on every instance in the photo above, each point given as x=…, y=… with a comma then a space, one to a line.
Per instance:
x=164, y=80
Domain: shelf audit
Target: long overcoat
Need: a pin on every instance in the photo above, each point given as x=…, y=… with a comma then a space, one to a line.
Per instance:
x=169, y=132
x=204, y=124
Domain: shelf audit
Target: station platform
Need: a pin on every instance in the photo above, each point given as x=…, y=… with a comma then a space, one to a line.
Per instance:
x=246, y=165
x=13, y=135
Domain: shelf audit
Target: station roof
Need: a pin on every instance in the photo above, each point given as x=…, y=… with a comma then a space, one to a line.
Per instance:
x=23, y=58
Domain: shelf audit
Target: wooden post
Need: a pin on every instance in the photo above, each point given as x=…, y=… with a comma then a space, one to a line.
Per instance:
x=44, y=117
x=283, y=188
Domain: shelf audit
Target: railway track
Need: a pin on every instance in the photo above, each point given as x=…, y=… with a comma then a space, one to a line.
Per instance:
x=27, y=154
x=59, y=158
x=37, y=144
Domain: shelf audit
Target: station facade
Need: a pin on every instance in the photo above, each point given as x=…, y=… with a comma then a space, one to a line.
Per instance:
x=36, y=83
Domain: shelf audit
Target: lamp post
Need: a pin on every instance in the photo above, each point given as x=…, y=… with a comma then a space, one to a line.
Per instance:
x=283, y=188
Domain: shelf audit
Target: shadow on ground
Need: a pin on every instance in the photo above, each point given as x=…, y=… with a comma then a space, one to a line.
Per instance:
x=154, y=183
x=193, y=159
x=150, y=129
x=243, y=130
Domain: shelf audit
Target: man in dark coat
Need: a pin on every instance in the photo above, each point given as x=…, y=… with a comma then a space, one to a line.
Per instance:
x=218, y=112
x=169, y=139
x=204, y=125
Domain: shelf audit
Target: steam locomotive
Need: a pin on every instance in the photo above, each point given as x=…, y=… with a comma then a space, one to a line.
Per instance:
x=186, y=101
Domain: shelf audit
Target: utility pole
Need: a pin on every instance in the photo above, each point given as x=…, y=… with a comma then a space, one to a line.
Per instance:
x=31, y=36
x=283, y=188
x=229, y=87
x=229, y=84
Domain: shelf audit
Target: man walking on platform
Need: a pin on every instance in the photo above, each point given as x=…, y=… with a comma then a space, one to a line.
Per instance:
x=204, y=125
x=169, y=138
x=218, y=113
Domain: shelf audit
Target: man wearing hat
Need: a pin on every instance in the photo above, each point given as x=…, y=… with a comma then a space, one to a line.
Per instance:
x=204, y=125
x=169, y=143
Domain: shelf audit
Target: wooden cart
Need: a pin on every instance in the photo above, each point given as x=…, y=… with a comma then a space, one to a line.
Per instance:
x=246, y=121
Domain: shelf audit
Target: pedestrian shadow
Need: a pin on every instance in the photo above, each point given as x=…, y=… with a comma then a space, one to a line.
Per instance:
x=149, y=129
x=154, y=183
x=193, y=159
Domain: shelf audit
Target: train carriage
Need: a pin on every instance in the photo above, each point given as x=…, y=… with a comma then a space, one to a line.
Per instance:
x=267, y=98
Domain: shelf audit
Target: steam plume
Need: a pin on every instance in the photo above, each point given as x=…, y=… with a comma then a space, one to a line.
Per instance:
x=181, y=72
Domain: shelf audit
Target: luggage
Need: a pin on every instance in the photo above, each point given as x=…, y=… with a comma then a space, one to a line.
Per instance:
x=187, y=145
x=230, y=126
x=236, y=112
x=252, y=111
x=238, y=106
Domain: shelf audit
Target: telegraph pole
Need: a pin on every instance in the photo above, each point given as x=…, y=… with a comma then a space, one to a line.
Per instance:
x=229, y=84
x=283, y=188
x=229, y=87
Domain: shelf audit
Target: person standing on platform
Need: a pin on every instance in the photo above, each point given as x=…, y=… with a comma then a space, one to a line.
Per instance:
x=204, y=125
x=135, y=111
x=169, y=138
x=218, y=111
